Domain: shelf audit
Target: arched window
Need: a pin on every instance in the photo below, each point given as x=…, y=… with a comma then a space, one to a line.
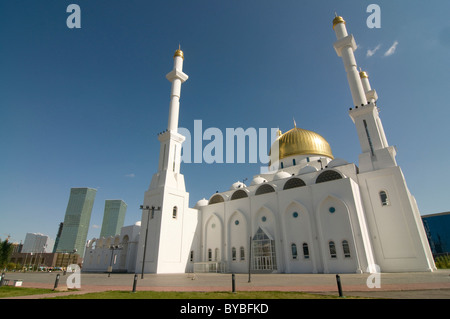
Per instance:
x=294, y=182
x=294, y=251
x=332, y=248
x=327, y=176
x=305, y=251
x=239, y=194
x=174, y=213
x=264, y=189
x=242, y=253
x=233, y=253
x=209, y=254
x=346, y=249
x=216, y=199
x=384, y=198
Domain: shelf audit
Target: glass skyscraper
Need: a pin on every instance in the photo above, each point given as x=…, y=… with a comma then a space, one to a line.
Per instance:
x=76, y=221
x=437, y=227
x=113, y=217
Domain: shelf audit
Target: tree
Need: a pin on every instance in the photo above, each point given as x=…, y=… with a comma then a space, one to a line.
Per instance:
x=6, y=249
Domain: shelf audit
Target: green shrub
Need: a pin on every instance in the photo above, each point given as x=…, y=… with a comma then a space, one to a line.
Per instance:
x=442, y=262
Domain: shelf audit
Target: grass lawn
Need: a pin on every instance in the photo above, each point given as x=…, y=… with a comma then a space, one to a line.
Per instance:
x=198, y=295
x=11, y=291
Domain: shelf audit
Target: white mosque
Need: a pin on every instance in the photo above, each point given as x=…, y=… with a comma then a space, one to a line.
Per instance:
x=311, y=213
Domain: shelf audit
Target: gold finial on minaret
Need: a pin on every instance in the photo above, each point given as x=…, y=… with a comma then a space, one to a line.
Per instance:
x=337, y=19
x=179, y=52
x=363, y=74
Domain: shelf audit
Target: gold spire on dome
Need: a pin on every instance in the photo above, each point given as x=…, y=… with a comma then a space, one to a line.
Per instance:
x=279, y=133
x=179, y=52
x=337, y=19
x=301, y=142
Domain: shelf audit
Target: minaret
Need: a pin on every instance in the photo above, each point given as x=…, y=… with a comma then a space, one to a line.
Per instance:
x=344, y=46
x=169, y=227
x=376, y=152
x=177, y=77
x=170, y=150
x=397, y=235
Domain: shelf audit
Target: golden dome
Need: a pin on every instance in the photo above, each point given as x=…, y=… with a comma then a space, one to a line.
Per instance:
x=337, y=20
x=179, y=53
x=363, y=74
x=302, y=142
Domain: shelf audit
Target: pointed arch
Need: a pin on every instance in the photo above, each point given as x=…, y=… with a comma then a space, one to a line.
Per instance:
x=213, y=238
x=298, y=229
x=265, y=217
x=334, y=226
x=237, y=237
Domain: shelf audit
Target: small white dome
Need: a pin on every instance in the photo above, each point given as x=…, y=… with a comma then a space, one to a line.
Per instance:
x=337, y=162
x=307, y=169
x=258, y=180
x=237, y=185
x=201, y=202
x=281, y=175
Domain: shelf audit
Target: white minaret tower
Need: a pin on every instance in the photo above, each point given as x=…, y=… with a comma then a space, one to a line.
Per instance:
x=344, y=46
x=167, y=229
x=396, y=231
x=177, y=77
x=376, y=152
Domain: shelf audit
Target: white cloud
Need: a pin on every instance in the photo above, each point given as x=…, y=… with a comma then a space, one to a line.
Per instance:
x=392, y=49
x=131, y=175
x=372, y=52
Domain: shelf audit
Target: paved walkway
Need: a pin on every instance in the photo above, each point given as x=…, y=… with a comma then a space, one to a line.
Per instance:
x=435, y=285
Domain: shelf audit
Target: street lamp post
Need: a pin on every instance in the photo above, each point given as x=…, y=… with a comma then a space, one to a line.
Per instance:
x=152, y=209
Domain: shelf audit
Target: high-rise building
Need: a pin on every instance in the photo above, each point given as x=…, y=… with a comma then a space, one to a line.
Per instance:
x=37, y=243
x=58, y=235
x=76, y=220
x=113, y=217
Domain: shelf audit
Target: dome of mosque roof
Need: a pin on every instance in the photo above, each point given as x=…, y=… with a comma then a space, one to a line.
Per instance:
x=258, y=180
x=281, y=175
x=300, y=142
x=237, y=185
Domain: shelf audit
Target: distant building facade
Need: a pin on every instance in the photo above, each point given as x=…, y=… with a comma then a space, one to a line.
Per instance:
x=437, y=227
x=118, y=252
x=113, y=217
x=37, y=243
x=76, y=221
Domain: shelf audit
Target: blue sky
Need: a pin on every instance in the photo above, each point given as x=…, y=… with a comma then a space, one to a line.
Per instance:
x=82, y=107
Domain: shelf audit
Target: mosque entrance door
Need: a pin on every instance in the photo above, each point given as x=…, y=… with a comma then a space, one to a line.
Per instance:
x=263, y=252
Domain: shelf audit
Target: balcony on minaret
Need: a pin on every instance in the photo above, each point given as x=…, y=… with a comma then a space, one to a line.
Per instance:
x=177, y=74
x=348, y=41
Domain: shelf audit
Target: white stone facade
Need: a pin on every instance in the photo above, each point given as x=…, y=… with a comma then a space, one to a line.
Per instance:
x=310, y=213
x=99, y=254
